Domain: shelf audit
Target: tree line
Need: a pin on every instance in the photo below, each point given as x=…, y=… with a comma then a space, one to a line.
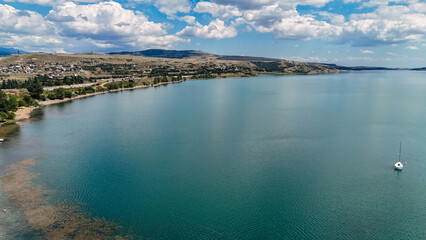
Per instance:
x=44, y=80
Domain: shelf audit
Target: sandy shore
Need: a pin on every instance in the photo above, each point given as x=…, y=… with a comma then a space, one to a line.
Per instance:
x=24, y=113
x=21, y=114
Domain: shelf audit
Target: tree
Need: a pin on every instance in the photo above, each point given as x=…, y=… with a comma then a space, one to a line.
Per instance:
x=8, y=104
x=4, y=103
x=13, y=103
x=35, y=90
x=60, y=93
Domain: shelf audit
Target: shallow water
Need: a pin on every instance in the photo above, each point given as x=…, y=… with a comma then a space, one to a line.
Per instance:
x=272, y=157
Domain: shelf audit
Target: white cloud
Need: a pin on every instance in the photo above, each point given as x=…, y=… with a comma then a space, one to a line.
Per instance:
x=413, y=47
x=215, y=29
x=278, y=17
x=334, y=19
x=110, y=21
x=362, y=59
x=351, y=1
x=386, y=25
x=375, y=3
x=223, y=12
x=244, y=5
x=51, y=2
x=104, y=20
x=257, y=4
x=367, y=51
x=169, y=7
x=308, y=59
x=418, y=7
x=289, y=24
x=72, y=27
x=304, y=27
x=39, y=2
x=23, y=22
x=191, y=20
x=109, y=25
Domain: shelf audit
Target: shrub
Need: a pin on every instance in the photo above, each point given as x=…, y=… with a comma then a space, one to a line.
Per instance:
x=35, y=90
x=43, y=97
x=68, y=93
x=22, y=103
x=89, y=89
x=3, y=116
x=100, y=89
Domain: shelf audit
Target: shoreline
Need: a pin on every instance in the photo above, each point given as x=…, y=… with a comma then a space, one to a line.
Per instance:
x=24, y=113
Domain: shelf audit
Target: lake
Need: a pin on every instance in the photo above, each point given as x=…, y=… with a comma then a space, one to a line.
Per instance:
x=270, y=157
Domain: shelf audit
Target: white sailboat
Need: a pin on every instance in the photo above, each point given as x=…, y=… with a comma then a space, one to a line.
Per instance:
x=399, y=165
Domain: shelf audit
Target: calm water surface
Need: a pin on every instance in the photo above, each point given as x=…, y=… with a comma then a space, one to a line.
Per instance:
x=272, y=157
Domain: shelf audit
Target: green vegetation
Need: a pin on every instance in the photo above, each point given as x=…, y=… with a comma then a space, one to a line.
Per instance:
x=59, y=93
x=43, y=80
x=62, y=93
x=165, y=79
x=10, y=104
x=120, y=84
x=203, y=76
x=35, y=89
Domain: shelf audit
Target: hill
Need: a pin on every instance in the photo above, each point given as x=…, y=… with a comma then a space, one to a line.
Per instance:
x=162, y=53
x=10, y=51
x=181, y=54
x=419, y=69
x=154, y=63
x=271, y=64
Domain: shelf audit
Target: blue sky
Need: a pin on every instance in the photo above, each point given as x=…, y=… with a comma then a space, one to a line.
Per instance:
x=346, y=32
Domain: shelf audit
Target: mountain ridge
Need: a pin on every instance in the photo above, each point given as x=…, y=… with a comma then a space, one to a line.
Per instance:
x=268, y=64
x=183, y=54
x=10, y=51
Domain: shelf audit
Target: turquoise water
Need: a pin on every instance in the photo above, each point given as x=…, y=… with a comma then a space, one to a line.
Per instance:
x=271, y=157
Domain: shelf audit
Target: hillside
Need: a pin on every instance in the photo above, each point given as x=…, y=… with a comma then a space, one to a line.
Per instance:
x=180, y=54
x=419, y=69
x=161, y=53
x=189, y=64
x=10, y=51
x=153, y=63
x=258, y=61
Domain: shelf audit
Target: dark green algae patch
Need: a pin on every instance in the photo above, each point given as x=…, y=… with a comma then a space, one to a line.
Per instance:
x=53, y=221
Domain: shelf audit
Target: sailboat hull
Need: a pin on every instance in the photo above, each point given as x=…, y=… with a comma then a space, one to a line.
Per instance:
x=398, y=166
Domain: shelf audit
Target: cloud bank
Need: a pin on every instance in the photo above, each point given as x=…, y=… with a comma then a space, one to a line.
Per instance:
x=70, y=26
x=96, y=24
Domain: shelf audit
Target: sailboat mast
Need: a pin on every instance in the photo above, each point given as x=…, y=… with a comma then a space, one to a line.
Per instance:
x=400, y=144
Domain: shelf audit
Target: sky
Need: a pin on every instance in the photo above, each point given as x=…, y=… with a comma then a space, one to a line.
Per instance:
x=345, y=32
